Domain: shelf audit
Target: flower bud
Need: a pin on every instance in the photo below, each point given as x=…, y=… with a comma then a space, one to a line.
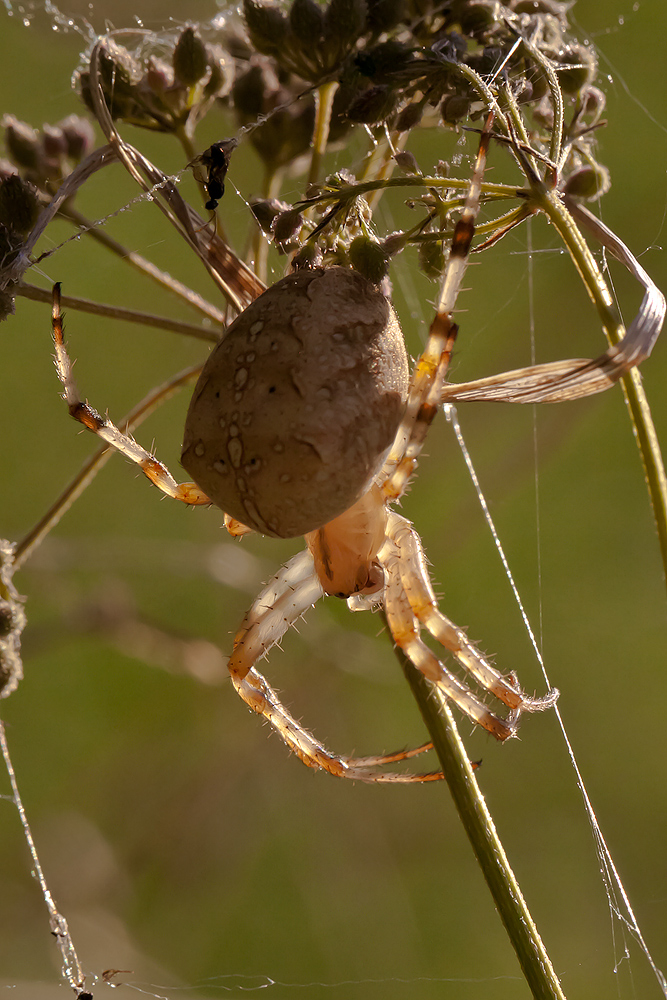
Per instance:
x=588, y=182
x=189, y=59
x=369, y=258
x=431, y=258
x=21, y=142
x=267, y=25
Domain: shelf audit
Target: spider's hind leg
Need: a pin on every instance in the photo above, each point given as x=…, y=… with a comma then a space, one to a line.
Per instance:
x=282, y=602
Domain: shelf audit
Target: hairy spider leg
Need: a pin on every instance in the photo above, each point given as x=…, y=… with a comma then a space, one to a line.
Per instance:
x=405, y=629
x=290, y=593
x=428, y=378
x=408, y=597
x=410, y=562
x=105, y=429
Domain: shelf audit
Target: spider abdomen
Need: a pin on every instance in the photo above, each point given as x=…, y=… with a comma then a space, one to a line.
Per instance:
x=297, y=405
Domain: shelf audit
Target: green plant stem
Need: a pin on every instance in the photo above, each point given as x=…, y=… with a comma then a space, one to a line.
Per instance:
x=635, y=397
x=348, y=191
x=324, y=98
x=480, y=829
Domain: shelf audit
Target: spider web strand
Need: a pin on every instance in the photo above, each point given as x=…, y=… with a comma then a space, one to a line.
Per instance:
x=71, y=968
x=615, y=890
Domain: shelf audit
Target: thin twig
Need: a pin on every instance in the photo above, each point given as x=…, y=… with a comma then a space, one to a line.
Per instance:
x=119, y=312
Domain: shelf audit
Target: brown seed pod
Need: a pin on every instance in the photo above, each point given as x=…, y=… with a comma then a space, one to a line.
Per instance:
x=297, y=405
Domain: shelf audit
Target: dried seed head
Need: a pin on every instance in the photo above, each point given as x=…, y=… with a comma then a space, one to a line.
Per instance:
x=372, y=105
x=287, y=224
x=306, y=19
x=79, y=136
x=21, y=142
x=454, y=109
x=577, y=67
x=410, y=116
x=407, y=162
x=267, y=26
x=588, y=182
x=298, y=404
x=189, y=58
x=19, y=204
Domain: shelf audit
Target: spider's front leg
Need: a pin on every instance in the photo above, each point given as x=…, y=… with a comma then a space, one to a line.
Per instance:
x=82, y=411
x=408, y=598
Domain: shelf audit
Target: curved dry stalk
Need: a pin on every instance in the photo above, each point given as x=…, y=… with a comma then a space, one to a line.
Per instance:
x=119, y=312
x=144, y=266
x=236, y=280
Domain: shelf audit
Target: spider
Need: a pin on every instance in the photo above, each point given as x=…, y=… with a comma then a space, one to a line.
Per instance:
x=306, y=421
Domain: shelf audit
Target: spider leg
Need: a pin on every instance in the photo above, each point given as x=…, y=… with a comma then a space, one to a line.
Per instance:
x=428, y=379
x=261, y=697
x=158, y=474
x=290, y=593
x=557, y=381
x=285, y=598
x=405, y=629
x=419, y=592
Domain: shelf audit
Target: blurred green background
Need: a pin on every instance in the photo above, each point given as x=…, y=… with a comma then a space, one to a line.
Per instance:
x=179, y=837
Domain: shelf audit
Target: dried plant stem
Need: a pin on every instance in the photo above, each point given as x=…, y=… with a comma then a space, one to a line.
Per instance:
x=480, y=829
x=140, y=263
x=119, y=312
